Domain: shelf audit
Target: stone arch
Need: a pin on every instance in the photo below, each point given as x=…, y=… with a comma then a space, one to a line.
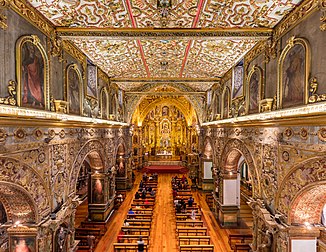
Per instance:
x=92, y=148
x=28, y=180
x=298, y=184
x=18, y=203
x=232, y=152
x=308, y=205
x=119, y=156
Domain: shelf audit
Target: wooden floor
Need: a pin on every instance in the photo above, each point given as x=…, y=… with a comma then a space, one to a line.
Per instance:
x=163, y=234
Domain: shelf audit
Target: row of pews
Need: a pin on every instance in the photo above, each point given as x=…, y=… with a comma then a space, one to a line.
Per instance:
x=138, y=221
x=191, y=232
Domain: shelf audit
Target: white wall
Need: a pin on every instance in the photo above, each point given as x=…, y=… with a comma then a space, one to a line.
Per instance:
x=208, y=170
x=304, y=245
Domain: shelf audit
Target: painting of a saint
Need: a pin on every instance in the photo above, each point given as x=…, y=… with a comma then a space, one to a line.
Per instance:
x=104, y=105
x=237, y=84
x=92, y=81
x=32, y=76
x=98, y=192
x=254, y=91
x=293, y=77
x=23, y=244
x=74, y=92
x=121, y=169
x=226, y=104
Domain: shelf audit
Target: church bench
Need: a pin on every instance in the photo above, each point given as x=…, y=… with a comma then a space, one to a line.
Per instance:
x=239, y=238
x=133, y=239
x=191, y=240
x=190, y=223
x=142, y=201
x=183, y=216
x=135, y=230
x=196, y=248
x=184, y=194
x=88, y=231
x=189, y=210
x=94, y=224
x=241, y=247
x=142, y=222
x=143, y=210
x=202, y=231
x=83, y=248
x=149, y=205
x=83, y=240
x=139, y=216
x=124, y=247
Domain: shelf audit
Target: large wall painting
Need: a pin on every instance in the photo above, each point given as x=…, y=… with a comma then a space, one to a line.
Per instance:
x=91, y=89
x=255, y=88
x=293, y=72
x=32, y=73
x=237, y=81
x=74, y=90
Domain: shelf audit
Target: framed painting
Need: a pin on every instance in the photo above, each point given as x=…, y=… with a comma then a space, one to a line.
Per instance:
x=226, y=103
x=91, y=87
x=254, y=89
x=32, y=69
x=74, y=91
x=22, y=243
x=293, y=73
x=104, y=103
x=237, y=81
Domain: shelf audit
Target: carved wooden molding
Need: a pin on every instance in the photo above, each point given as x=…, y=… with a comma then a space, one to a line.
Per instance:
x=11, y=99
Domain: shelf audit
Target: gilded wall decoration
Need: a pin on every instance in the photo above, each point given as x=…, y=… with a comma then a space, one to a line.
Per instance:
x=32, y=70
x=3, y=135
x=313, y=95
x=322, y=134
x=295, y=58
x=303, y=174
x=15, y=172
x=20, y=134
x=12, y=98
x=322, y=6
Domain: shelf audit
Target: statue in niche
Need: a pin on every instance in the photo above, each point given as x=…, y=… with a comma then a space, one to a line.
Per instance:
x=165, y=111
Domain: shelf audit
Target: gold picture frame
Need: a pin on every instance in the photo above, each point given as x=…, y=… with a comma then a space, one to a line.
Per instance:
x=226, y=91
x=104, y=93
x=73, y=75
x=237, y=87
x=293, y=71
x=32, y=71
x=251, y=79
x=91, y=87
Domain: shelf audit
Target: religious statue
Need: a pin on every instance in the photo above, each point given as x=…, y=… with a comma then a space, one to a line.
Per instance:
x=61, y=239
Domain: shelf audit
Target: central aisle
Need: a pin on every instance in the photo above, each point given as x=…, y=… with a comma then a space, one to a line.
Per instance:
x=163, y=235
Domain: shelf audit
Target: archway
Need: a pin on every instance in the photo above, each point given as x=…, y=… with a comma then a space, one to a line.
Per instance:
x=206, y=181
x=235, y=183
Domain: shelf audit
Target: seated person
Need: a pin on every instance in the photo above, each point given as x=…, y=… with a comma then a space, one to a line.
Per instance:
x=131, y=211
x=178, y=207
x=137, y=195
x=152, y=193
x=126, y=223
x=149, y=189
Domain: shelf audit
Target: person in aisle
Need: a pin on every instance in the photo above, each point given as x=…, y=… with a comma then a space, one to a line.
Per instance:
x=141, y=244
x=193, y=214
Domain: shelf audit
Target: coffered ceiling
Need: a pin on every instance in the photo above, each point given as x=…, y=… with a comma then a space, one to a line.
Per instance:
x=171, y=40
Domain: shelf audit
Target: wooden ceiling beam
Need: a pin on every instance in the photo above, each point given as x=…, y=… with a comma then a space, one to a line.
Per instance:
x=157, y=33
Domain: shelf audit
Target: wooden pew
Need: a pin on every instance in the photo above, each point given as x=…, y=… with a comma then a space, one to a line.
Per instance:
x=88, y=231
x=190, y=223
x=183, y=216
x=196, y=248
x=136, y=230
x=140, y=222
x=183, y=231
x=142, y=201
x=141, y=205
x=139, y=216
x=191, y=240
x=242, y=247
x=143, y=210
x=94, y=224
x=239, y=238
x=132, y=247
x=133, y=239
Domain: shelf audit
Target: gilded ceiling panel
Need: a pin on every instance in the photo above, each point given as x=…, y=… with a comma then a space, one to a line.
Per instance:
x=118, y=58
x=83, y=13
x=164, y=57
x=213, y=58
x=180, y=15
x=247, y=13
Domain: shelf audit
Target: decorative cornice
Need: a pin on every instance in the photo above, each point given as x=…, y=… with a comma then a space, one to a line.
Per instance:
x=163, y=80
x=77, y=54
x=150, y=33
x=102, y=75
x=33, y=16
x=302, y=11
